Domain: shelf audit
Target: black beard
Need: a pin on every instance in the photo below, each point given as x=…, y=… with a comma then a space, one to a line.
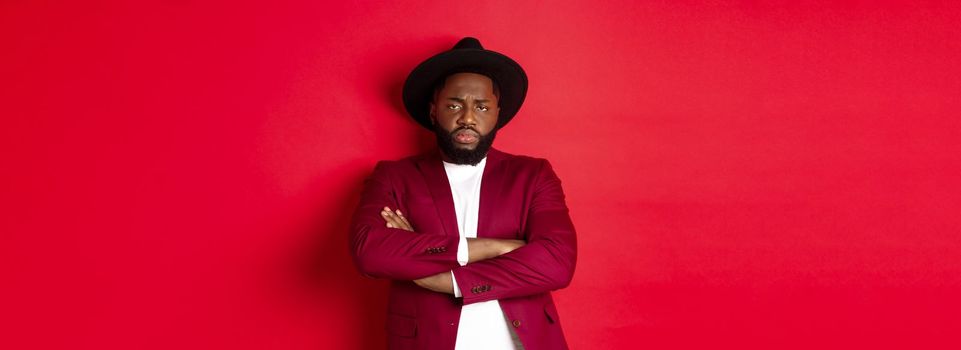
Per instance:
x=457, y=155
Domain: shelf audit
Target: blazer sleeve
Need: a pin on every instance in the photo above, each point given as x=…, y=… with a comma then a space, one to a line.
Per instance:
x=382, y=252
x=544, y=264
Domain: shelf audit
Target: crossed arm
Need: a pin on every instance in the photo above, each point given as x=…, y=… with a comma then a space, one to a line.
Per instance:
x=478, y=249
x=387, y=247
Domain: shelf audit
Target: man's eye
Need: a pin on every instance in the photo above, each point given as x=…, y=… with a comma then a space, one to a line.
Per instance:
x=453, y=107
x=482, y=108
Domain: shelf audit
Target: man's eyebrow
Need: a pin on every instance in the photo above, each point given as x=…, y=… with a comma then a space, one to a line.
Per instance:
x=458, y=99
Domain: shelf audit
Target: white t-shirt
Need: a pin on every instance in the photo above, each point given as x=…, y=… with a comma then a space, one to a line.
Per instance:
x=482, y=325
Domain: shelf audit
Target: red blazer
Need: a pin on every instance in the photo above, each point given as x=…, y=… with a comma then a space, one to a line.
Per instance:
x=521, y=198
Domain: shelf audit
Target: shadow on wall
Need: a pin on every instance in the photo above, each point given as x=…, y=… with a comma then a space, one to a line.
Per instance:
x=328, y=267
x=329, y=277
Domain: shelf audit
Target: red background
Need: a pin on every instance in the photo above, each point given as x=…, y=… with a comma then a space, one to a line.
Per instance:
x=179, y=175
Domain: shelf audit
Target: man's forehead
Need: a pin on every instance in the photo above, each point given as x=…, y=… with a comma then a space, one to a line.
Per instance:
x=464, y=99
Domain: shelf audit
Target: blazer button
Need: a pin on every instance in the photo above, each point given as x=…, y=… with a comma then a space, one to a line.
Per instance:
x=516, y=323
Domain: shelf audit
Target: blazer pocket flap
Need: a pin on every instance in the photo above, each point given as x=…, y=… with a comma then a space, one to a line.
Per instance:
x=401, y=326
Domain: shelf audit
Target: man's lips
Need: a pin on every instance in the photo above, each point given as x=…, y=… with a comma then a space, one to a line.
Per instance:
x=466, y=136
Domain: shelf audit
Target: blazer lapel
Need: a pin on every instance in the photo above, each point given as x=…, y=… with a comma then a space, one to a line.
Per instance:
x=491, y=185
x=432, y=168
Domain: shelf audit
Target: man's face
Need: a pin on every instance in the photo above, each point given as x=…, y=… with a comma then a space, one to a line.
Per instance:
x=464, y=113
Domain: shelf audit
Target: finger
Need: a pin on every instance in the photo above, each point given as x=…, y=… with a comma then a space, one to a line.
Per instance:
x=388, y=217
x=395, y=222
x=397, y=219
x=391, y=220
x=387, y=214
x=404, y=219
x=401, y=224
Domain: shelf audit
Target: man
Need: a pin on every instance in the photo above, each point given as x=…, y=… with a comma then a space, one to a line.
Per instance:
x=473, y=239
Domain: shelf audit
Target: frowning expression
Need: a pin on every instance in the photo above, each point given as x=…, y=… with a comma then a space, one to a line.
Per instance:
x=466, y=108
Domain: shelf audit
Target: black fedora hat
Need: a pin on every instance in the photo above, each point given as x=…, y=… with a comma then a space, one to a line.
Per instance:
x=466, y=56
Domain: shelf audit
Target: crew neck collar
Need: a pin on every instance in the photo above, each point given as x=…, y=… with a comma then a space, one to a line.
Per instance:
x=481, y=162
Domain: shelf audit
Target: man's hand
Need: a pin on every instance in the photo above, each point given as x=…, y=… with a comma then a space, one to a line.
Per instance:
x=396, y=219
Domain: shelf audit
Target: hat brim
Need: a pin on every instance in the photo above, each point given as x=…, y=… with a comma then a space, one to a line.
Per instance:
x=510, y=77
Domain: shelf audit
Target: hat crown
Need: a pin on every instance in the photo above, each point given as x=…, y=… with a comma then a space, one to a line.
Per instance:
x=468, y=43
x=466, y=56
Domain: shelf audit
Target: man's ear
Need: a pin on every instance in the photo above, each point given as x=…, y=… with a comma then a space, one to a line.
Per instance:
x=433, y=115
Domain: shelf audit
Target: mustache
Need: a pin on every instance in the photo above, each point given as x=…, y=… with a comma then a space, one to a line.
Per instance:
x=464, y=128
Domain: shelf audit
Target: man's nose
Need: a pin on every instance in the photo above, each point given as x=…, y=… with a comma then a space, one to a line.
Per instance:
x=467, y=118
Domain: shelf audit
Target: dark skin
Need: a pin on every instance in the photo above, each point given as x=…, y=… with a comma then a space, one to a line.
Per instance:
x=467, y=102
